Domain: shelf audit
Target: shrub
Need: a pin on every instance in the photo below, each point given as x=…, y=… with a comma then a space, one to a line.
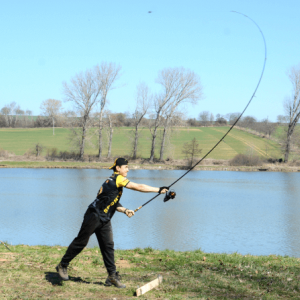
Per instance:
x=54, y=154
x=245, y=160
x=4, y=153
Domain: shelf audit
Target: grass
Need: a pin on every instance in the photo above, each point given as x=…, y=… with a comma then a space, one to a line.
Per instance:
x=20, y=140
x=29, y=273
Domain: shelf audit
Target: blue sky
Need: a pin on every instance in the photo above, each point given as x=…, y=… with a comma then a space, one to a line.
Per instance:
x=44, y=43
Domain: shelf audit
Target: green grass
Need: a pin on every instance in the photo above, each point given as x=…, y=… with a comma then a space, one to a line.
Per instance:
x=29, y=273
x=19, y=141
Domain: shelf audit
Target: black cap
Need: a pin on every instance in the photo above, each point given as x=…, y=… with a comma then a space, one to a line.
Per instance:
x=119, y=162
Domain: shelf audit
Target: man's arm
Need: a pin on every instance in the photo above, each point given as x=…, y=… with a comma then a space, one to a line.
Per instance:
x=145, y=188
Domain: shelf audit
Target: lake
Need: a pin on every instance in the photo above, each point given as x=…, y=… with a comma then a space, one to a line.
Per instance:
x=254, y=213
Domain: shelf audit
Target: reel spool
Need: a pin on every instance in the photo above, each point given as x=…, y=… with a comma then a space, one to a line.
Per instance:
x=169, y=195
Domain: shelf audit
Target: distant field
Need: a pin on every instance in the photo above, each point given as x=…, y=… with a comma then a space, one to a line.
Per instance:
x=20, y=140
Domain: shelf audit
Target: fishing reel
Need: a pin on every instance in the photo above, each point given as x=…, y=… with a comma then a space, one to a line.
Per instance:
x=169, y=195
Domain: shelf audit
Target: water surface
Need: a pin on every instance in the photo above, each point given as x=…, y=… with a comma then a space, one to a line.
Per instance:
x=247, y=212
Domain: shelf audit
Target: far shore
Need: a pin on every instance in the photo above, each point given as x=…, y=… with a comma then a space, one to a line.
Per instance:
x=206, y=165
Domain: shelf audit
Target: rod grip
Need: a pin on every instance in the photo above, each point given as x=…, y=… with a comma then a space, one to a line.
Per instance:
x=138, y=208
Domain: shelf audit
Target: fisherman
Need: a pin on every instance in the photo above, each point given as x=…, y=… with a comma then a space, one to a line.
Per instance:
x=97, y=220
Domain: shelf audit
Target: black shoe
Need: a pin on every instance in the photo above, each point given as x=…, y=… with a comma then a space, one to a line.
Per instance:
x=62, y=271
x=115, y=280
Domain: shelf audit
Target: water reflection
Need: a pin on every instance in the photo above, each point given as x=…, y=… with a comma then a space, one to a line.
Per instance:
x=247, y=212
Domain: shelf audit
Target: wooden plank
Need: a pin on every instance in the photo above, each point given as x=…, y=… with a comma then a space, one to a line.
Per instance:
x=149, y=286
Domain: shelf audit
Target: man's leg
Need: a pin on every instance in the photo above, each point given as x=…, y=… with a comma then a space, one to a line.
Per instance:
x=104, y=236
x=106, y=243
x=89, y=224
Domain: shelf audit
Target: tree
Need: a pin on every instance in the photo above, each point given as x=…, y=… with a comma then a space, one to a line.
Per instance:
x=7, y=111
x=83, y=91
x=248, y=121
x=107, y=74
x=232, y=117
x=51, y=108
x=292, y=107
x=110, y=123
x=143, y=99
x=190, y=150
x=204, y=117
x=281, y=119
x=221, y=121
x=179, y=86
x=267, y=127
x=211, y=119
x=38, y=149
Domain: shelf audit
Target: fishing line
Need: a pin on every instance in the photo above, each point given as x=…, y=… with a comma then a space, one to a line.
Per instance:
x=253, y=95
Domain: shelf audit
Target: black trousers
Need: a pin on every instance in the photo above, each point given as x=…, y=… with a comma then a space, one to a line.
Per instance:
x=92, y=224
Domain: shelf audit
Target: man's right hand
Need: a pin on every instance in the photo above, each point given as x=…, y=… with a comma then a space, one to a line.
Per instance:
x=163, y=189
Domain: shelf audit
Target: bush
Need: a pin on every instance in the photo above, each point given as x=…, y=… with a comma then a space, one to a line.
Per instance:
x=245, y=160
x=54, y=154
x=4, y=153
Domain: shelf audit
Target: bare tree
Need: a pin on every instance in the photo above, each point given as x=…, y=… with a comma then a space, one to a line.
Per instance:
x=281, y=119
x=204, y=117
x=292, y=107
x=8, y=112
x=83, y=91
x=51, y=108
x=179, y=86
x=267, y=127
x=191, y=150
x=107, y=74
x=211, y=119
x=232, y=117
x=111, y=120
x=143, y=99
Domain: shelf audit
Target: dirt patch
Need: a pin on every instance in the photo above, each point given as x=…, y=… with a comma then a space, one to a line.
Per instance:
x=123, y=263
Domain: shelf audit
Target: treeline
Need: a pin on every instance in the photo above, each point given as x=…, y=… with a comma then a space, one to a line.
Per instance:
x=88, y=92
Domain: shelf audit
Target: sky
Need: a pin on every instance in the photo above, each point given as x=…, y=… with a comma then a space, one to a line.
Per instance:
x=46, y=43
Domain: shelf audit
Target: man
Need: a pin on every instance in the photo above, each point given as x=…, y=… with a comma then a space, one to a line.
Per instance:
x=97, y=220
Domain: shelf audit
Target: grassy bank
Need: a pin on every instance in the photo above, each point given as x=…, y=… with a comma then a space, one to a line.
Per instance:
x=28, y=272
x=20, y=140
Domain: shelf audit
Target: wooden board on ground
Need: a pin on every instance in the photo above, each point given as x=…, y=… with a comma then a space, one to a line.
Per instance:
x=149, y=286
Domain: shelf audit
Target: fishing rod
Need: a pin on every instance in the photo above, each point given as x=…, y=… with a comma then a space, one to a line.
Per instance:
x=168, y=195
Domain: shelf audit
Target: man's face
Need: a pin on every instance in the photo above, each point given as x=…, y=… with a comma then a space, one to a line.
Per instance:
x=123, y=170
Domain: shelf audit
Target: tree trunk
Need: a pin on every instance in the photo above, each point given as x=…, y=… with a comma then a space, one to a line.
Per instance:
x=153, y=145
x=288, y=144
x=111, y=130
x=135, y=143
x=162, y=147
x=100, y=134
x=83, y=139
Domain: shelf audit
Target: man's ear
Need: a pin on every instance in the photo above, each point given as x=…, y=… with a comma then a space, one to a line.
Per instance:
x=118, y=168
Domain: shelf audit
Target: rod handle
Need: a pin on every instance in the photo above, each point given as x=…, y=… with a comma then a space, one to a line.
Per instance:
x=138, y=208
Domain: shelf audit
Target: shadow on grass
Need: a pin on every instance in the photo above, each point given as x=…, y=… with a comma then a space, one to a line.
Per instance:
x=55, y=279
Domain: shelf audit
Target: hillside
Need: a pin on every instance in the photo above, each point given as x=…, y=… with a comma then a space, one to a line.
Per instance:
x=20, y=140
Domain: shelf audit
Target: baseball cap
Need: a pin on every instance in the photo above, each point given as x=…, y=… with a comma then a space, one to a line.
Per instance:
x=119, y=162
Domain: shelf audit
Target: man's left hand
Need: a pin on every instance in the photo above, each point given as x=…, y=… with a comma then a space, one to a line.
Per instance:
x=129, y=213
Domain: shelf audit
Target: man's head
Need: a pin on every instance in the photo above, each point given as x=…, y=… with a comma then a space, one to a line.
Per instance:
x=120, y=166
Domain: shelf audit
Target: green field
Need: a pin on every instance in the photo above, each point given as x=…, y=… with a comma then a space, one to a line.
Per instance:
x=19, y=141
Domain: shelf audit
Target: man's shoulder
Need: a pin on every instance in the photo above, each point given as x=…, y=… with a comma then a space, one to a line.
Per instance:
x=121, y=181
